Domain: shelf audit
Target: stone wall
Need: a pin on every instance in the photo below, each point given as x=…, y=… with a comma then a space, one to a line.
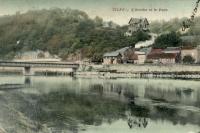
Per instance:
x=155, y=68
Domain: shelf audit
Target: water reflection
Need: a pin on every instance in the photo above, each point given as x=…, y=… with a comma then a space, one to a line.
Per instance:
x=53, y=104
x=27, y=80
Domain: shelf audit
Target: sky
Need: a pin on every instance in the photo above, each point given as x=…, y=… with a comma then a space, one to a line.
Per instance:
x=119, y=11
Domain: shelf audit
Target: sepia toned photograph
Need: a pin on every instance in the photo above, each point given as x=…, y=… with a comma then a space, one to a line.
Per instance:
x=99, y=66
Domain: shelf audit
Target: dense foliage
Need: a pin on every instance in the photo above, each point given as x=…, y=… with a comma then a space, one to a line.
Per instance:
x=188, y=59
x=171, y=39
x=175, y=24
x=61, y=32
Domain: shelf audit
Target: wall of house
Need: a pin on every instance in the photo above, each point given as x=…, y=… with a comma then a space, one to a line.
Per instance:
x=112, y=60
x=168, y=61
x=107, y=61
x=141, y=59
x=117, y=61
x=164, y=61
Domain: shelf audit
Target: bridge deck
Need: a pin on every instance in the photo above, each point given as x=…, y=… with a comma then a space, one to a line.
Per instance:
x=38, y=64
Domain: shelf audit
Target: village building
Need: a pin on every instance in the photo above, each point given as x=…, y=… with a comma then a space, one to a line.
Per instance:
x=161, y=56
x=112, y=58
x=137, y=24
x=125, y=52
x=123, y=55
x=141, y=57
x=132, y=58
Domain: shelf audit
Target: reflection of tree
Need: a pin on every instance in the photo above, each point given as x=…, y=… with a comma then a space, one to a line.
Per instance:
x=167, y=95
x=165, y=112
x=137, y=122
x=27, y=81
x=96, y=88
x=66, y=111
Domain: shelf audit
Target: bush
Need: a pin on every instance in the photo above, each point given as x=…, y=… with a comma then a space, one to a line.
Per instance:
x=171, y=39
x=188, y=59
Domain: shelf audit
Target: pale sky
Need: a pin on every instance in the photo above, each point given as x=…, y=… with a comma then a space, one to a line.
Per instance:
x=104, y=8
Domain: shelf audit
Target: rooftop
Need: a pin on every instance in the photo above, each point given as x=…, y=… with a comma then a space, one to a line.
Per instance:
x=116, y=53
x=172, y=48
x=162, y=56
x=138, y=20
x=156, y=51
x=112, y=54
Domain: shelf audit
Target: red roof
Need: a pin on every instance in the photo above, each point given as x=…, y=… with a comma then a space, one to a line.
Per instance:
x=156, y=51
x=162, y=56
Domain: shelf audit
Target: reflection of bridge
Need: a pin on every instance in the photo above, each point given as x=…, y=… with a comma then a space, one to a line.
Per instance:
x=71, y=67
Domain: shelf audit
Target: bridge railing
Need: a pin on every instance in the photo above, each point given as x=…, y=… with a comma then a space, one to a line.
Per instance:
x=38, y=64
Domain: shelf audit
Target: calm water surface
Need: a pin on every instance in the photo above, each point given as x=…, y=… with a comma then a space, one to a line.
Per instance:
x=69, y=105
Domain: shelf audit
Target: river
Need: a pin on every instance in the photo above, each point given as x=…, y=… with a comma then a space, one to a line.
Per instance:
x=79, y=105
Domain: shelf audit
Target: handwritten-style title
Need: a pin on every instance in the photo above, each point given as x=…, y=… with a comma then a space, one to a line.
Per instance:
x=118, y=9
x=190, y=21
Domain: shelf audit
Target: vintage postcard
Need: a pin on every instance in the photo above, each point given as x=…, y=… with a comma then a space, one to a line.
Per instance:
x=99, y=66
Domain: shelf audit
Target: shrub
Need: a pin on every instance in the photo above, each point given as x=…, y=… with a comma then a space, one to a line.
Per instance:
x=188, y=59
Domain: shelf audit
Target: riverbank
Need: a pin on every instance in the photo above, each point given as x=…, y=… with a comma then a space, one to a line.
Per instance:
x=140, y=71
x=118, y=71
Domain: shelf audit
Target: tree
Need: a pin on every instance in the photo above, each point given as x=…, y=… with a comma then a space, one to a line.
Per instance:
x=141, y=36
x=188, y=59
x=171, y=39
x=98, y=21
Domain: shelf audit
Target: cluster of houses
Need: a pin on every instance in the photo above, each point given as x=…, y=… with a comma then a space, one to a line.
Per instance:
x=170, y=55
x=138, y=55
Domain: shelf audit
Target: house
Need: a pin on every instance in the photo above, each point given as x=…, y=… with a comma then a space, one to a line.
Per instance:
x=123, y=55
x=174, y=50
x=137, y=24
x=160, y=56
x=163, y=58
x=142, y=54
x=125, y=52
x=132, y=58
x=112, y=58
x=141, y=57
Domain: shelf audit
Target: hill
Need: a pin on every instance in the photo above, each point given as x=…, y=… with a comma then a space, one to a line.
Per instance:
x=67, y=33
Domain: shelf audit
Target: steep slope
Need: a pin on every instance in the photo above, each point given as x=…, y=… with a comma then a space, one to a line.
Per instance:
x=62, y=32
